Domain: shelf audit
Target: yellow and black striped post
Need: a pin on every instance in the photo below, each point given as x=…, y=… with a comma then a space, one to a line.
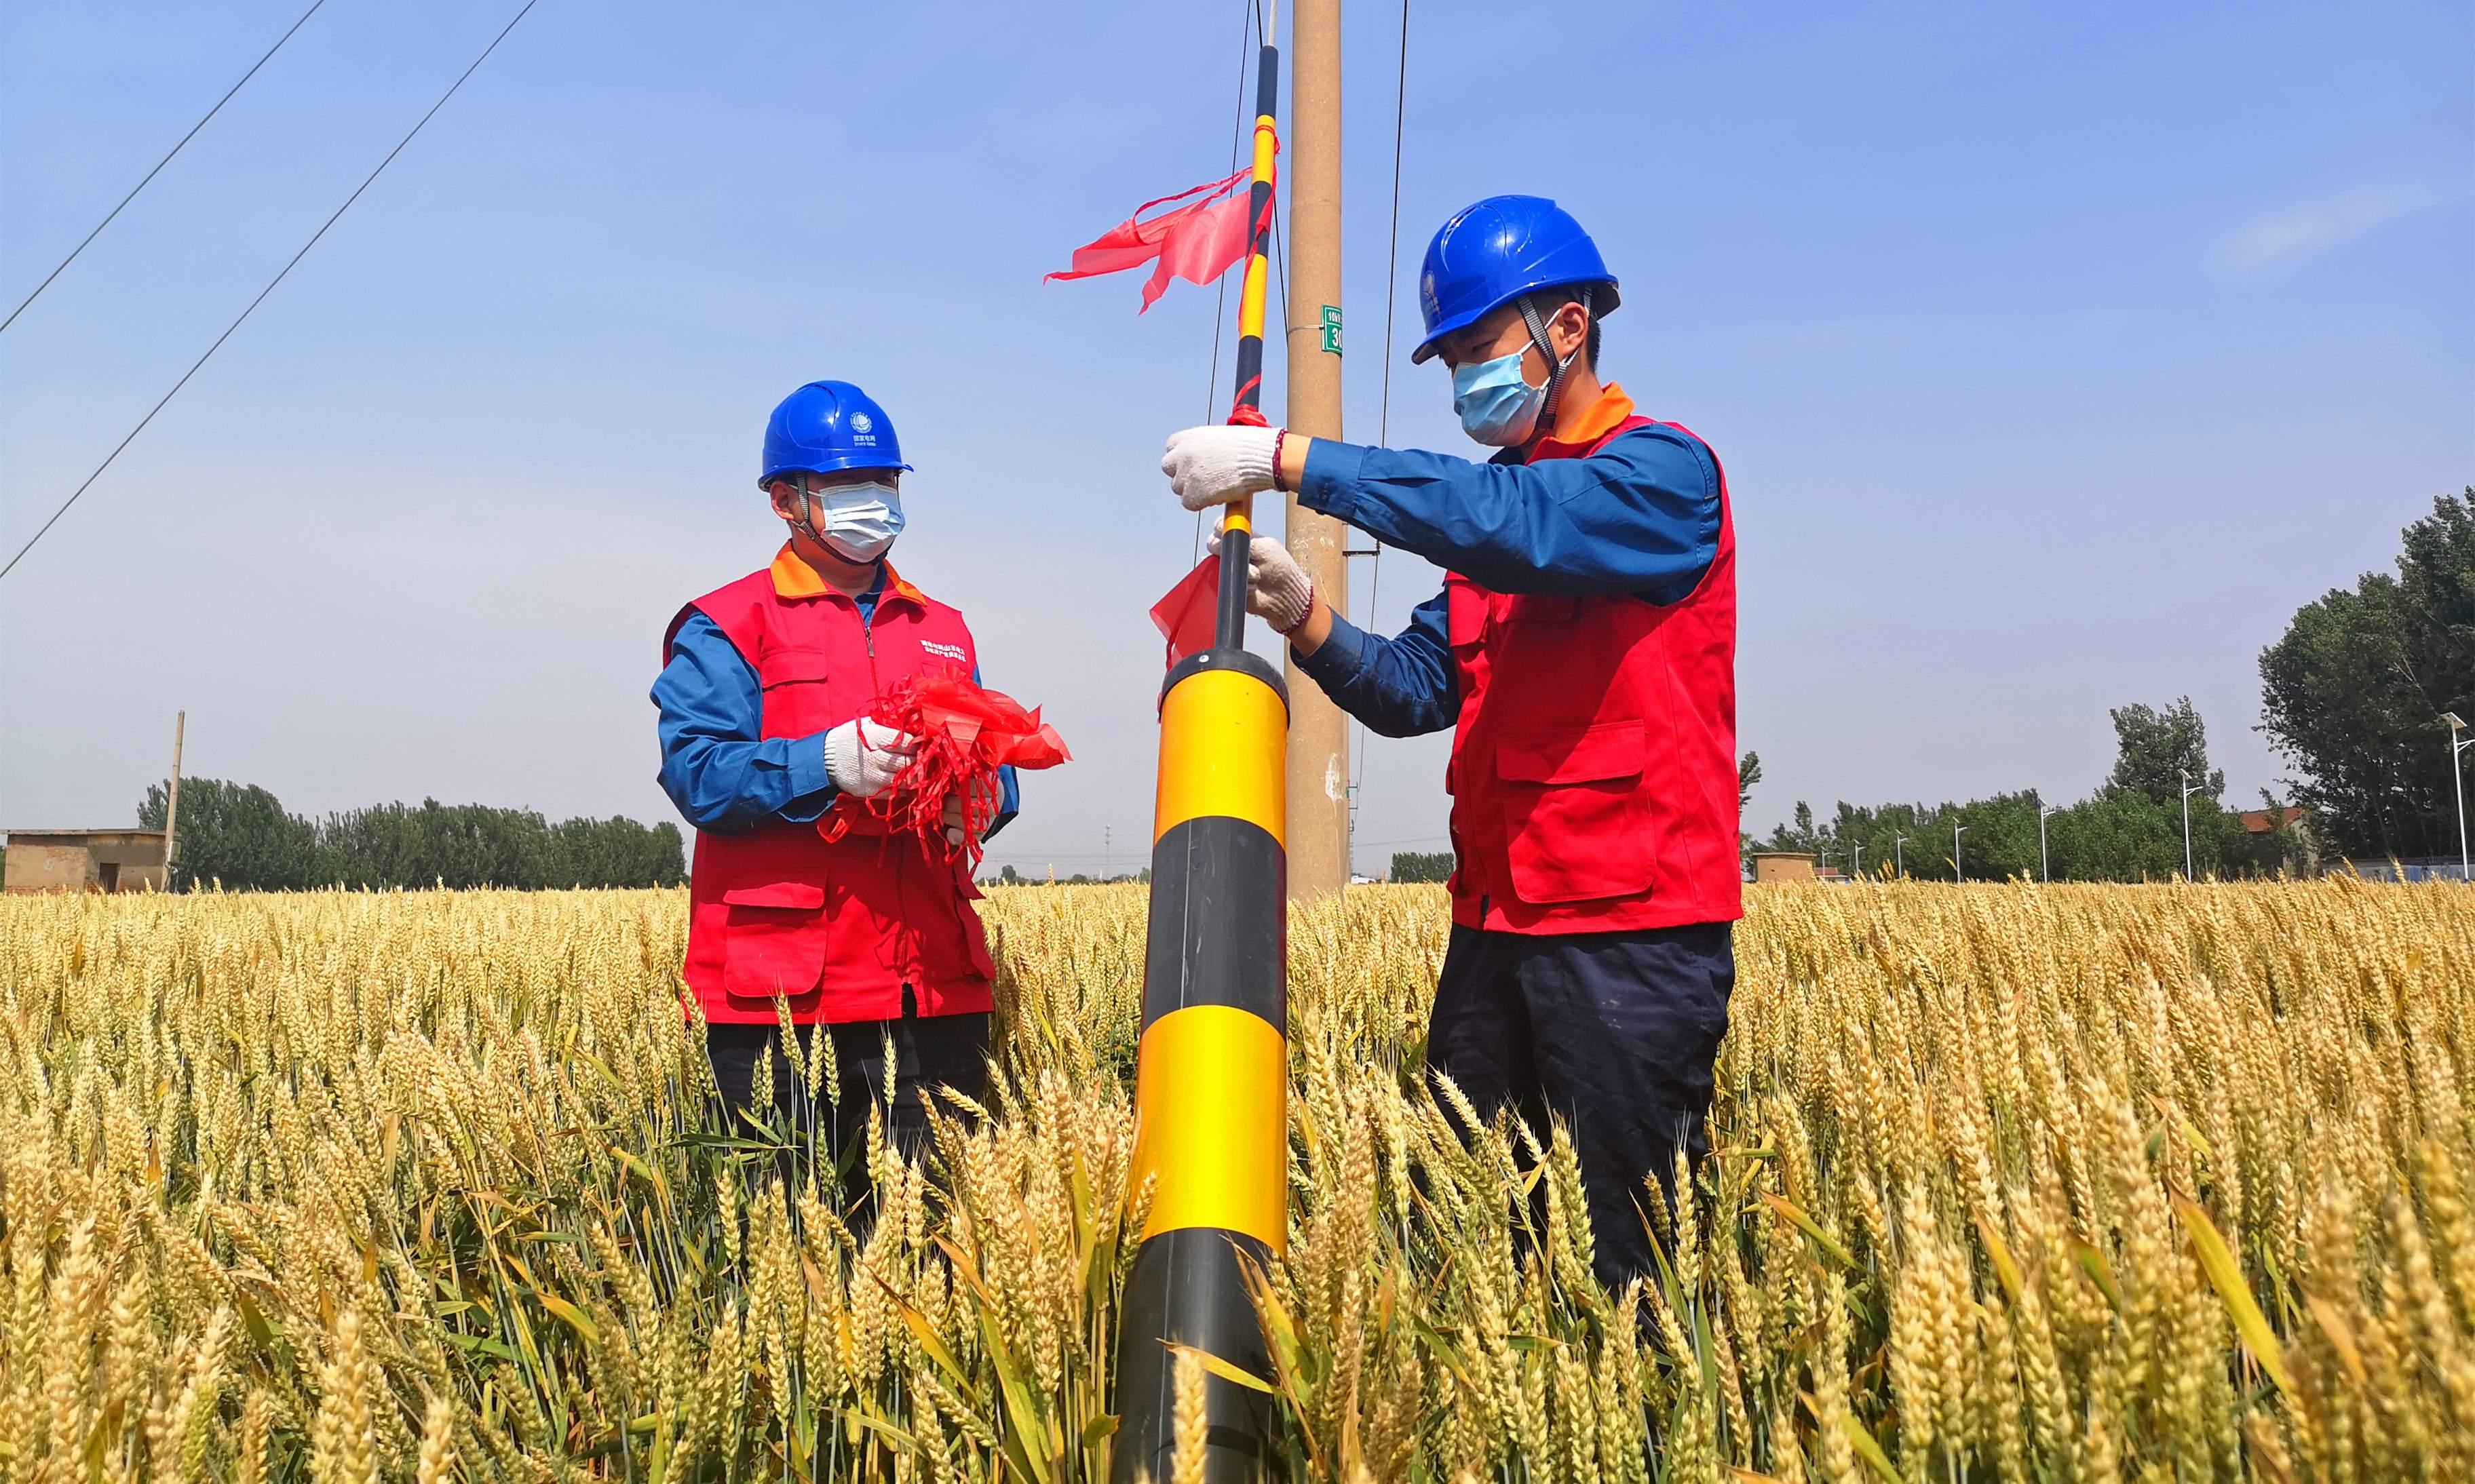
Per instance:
x=1212, y=1083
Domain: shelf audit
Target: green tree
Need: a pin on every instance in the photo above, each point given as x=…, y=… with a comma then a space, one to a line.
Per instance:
x=242, y=835
x=237, y=834
x=2352, y=693
x=614, y=852
x=2161, y=751
x=1422, y=865
x=2118, y=835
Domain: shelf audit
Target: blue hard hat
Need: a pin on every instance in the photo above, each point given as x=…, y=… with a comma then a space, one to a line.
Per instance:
x=1491, y=254
x=825, y=426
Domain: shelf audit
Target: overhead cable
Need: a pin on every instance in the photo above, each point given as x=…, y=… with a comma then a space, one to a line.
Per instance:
x=269, y=289
x=159, y=165
x=1383, y=410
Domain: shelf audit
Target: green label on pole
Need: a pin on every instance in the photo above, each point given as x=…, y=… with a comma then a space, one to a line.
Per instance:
x=1332, y=329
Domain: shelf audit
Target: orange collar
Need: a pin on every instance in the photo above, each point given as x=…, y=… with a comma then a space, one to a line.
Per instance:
x=1586, y=427
x=793, y=577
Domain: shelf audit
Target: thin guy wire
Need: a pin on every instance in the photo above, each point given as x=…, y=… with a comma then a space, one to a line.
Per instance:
x=1392, y=262
x=158, y=166
x=269, y=289
x=1246, y=16
x=1384, y=416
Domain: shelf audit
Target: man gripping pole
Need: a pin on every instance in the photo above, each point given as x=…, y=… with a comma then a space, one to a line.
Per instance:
x=1583, y=653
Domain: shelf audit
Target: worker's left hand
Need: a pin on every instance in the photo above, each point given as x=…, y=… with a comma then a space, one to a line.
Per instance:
x=953, y=819
x=1214, y=465
x=1278, y=590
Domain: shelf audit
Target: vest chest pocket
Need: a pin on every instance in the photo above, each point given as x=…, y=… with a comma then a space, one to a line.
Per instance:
x=799, y=698
x=1576, y=815
x=774, y=940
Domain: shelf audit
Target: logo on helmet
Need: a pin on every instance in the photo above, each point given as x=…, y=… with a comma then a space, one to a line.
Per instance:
x=860, y=422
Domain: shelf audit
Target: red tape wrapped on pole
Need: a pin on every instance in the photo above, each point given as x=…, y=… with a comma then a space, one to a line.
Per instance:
x=966, y=732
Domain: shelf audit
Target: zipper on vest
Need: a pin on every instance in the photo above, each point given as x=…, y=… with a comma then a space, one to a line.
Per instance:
x=875, y=688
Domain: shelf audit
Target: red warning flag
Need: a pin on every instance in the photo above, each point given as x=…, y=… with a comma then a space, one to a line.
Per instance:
x=1197, y=242
x=1187, y=615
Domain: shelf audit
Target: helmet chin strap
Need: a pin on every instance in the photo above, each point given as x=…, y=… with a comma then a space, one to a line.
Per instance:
x=804, y=523
x=1555, y=367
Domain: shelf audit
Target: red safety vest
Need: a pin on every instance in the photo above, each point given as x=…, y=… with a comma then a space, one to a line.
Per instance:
x=840, y=926
x=1593, y=770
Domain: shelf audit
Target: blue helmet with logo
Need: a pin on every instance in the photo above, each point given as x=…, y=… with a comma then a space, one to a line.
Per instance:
x=1491, y=254
x=825, y=426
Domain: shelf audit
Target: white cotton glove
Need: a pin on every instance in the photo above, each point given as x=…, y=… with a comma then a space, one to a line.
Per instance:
x=1278, y=590
x=1214, y=465
x=862, y=756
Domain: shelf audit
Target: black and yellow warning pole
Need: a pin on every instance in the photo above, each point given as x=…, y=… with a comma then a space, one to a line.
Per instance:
x=1213, y=1081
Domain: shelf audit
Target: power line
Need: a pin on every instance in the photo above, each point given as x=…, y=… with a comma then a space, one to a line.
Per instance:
x=1392, y=262
x=159, y=165
x=1383, y=413
x=269, y=289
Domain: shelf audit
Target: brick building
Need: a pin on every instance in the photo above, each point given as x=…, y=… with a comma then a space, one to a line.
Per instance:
x=84, y=859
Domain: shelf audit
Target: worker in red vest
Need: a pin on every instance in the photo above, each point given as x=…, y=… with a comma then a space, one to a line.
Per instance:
x=1583, y=652
x=798, y=891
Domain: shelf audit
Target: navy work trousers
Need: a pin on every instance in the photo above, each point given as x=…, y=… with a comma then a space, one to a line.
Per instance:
x=1615, y=1033
x=929, y=1051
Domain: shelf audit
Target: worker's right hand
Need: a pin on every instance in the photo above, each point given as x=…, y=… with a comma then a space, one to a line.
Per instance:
x=1215, y=465
x=1278, y=590
x=862, y=756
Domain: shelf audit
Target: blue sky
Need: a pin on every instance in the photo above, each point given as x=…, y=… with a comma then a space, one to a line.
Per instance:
x=2055, y=355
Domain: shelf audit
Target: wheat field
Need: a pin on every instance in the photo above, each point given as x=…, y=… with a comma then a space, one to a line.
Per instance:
x=2084, y=1183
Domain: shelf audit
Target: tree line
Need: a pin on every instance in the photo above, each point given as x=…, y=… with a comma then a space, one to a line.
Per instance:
x=2353, y=694
x=2130, y=829
x=242, y=837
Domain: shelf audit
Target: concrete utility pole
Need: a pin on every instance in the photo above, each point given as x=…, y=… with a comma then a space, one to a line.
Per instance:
x=172, y=799
x=1319, y=767
x=2457, y=780
x=1958, y=872
x=2188, y=789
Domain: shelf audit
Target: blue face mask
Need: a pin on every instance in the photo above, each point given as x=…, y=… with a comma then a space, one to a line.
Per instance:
x=1497, y=406
x=858, y=521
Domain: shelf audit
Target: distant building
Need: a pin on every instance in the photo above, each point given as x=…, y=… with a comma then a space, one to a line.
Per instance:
x=2258, y=824
x=85, y=860
x=1782, y=866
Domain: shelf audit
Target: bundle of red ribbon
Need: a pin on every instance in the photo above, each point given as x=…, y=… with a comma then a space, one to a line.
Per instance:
x=966, y=732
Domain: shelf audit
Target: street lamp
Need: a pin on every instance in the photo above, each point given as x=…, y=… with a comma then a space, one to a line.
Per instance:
x=1857, y=870
x=2458, y=782
x=1958, y=872
x=2045, y=866
x=2188, y=789
x=1899, y=858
